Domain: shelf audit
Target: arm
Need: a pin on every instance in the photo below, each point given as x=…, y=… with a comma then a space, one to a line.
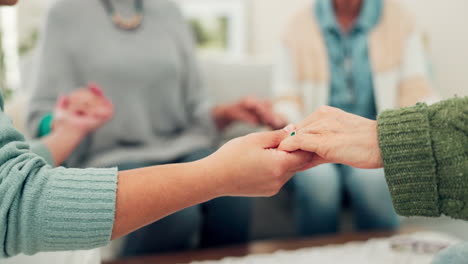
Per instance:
x=422, y=148
x=46, y=209
x=209, y=178
x=432, y=155
x=286, y=90
x=70, y=128
x=60, y=143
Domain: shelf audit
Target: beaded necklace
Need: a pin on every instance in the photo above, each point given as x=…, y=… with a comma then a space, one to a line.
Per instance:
x=127, y=24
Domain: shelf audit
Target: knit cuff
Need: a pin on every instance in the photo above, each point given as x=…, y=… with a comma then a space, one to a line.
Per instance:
x=80, y=209
x=410, y=166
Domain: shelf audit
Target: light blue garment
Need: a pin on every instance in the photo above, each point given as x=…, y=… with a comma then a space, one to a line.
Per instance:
x=318, y=195
x=351, y=82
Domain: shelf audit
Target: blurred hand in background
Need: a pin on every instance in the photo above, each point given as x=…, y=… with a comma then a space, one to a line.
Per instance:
x=249, y=110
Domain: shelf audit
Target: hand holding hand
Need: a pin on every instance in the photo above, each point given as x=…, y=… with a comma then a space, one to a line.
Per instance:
x=337, y=137
x=83, y=111
x=252, y=166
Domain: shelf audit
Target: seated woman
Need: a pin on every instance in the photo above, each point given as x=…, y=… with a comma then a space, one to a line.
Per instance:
x=361, y=56
x=141, y=53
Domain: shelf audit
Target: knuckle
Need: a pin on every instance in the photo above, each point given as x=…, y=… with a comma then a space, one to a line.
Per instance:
x=274, y=191
x=324, y=109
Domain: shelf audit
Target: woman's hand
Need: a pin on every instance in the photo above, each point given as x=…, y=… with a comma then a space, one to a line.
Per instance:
x=337, y=137
x=83, y=111
x=253, y=166
x=247, y=166
x=70, y=126
x=249, y=110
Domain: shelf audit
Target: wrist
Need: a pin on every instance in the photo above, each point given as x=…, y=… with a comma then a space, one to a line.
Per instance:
x=212, y=177
x=70, y=132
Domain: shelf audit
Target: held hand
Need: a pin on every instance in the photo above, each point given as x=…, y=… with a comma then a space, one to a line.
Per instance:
x=337, y=137
x=68, y=114
x=252, y=166
x=249, y=110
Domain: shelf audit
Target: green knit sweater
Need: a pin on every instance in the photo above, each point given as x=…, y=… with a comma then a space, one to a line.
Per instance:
x=47, y=209
x=425, y=155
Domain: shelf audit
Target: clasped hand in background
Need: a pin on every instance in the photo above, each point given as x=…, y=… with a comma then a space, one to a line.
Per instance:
x=83, y=110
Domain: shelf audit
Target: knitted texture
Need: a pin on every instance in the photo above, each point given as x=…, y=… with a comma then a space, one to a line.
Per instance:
x=46, y=209
x=425, y=154
x=42, y=151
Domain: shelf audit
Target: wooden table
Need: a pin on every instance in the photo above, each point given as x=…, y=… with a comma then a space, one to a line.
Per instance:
x=254, y=248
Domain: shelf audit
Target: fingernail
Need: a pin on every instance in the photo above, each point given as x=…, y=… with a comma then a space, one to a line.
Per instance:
x=289, y=128
x=94, y=88
x=62, y=101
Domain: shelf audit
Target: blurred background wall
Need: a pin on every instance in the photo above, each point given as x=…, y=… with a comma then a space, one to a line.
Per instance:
x=444, y=21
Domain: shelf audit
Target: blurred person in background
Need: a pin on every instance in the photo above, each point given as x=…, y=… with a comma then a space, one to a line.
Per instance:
x=142, y=54
x=361, y=56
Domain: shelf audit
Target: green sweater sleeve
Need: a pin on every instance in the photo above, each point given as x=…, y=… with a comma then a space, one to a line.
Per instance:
x=425, y=155
x=47, y=209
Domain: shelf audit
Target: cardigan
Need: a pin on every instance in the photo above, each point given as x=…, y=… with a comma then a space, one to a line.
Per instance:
x=301, y=76
x=425, y=155
x=351, y=85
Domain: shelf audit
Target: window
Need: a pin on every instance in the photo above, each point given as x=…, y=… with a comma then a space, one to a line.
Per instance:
x=219, y=26
x=9, y=65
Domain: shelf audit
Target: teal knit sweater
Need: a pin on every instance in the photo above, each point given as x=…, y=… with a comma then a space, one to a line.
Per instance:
x=425, y=155
x=47, y=209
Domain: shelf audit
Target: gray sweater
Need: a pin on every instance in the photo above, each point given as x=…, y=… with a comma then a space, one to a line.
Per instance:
x=150, y=74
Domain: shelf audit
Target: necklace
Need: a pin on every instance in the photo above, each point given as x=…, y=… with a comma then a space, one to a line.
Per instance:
x=127, y=24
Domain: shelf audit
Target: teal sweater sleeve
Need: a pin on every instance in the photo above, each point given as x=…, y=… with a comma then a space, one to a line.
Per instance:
x=425, y=154
x=42, y=151
x=47, y=209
